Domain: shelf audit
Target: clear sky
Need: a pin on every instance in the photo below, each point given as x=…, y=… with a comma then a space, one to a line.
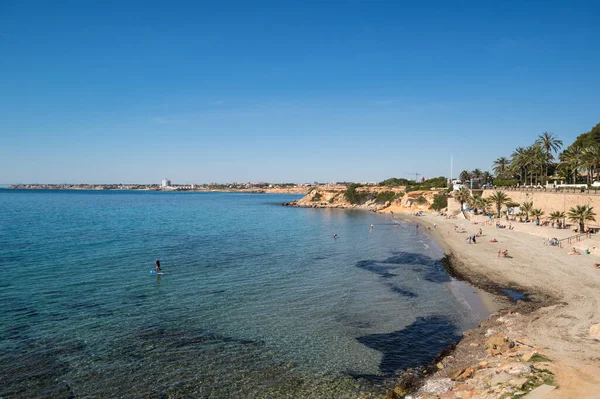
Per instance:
x=219, y=91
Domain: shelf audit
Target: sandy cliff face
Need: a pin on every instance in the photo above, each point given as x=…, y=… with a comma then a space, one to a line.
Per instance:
x=333, y=197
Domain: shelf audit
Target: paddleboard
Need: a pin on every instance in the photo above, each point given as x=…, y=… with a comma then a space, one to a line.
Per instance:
x=154, y=272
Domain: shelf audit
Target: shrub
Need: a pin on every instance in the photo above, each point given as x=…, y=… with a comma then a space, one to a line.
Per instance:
x=353, y=196
x=421, y=200
x=386, y=196
x=317, y=197
x=394, y=181
x=440, y=201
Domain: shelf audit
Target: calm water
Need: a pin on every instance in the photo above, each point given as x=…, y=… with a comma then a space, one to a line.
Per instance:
x=257, y=300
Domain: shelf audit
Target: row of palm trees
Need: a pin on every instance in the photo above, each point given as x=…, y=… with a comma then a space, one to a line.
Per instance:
x=485, y=177
x=580, y=214
x=530, y=164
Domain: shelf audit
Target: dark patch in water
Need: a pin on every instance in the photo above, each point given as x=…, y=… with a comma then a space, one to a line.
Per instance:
x=374, y=267
x=403, y=292
x=431, y=269
x=34, y=369
x=515, y=295
x=412, y=346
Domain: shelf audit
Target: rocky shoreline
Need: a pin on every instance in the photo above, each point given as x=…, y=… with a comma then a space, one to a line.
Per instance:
x=493, y=360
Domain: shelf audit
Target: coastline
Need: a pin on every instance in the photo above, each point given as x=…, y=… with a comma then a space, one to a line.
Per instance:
x=556, y=304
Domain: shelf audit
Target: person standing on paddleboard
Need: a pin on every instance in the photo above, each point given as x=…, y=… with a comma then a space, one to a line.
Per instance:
x=157, y=266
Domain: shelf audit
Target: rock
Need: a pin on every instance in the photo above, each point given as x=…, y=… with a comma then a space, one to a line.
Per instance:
x=499, y=378
x=391, y=395
x=518, y=382
x=528, y=355
x=489, y=332
x=595, y=331
x=483, y=364
x=462, y=387
x=454, y=375
x=473, y=344
x=494, y=352
x=521, y=369
x=447, y=395
x=495, y=341
x=437, y=386
x=540, y=392
x=440, y=366
x=430, y=397
x=467, y=373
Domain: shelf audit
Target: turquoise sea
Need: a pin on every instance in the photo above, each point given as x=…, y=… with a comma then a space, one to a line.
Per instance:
x=257, y=300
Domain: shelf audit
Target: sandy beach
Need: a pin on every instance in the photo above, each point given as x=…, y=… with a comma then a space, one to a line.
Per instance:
x=565, y=291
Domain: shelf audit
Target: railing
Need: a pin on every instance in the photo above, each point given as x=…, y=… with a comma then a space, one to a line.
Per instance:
x=574, y=190
x=569, y=240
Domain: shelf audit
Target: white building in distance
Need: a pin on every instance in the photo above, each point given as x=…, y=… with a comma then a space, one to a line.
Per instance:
x=166, y=183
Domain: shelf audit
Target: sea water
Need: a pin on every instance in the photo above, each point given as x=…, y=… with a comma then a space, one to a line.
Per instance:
x=257, y=300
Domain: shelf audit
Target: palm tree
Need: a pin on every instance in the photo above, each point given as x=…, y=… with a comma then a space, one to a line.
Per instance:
x=464, y=176
x=537, y=213
x=487, y=177
x=476, y=174
x=581, y=214
x=526, y=207
x=478, y=203
x=518, y=164
x=557, y=217
x=549, y=143
x=591, y=160
x=463, y=195
x=500, y=167
x=572, y=158
x=499, y=198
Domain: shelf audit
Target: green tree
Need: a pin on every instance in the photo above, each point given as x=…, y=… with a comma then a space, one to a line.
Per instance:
x=462, y=196
x=557, y=217
x=464, y=176
x=477, y=174
x=440, y=201
x=352, y=195
x=537, y=214
x=581, y=214
x=526, y=208
x=550, y=144
x=499, y=199
x=572, y=159
x=487, y=177
x=501, y=167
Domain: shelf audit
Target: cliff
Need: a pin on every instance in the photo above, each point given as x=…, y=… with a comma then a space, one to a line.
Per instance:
x=373, y=198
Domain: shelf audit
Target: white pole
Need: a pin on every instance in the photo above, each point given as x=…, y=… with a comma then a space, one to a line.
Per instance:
x=451, y=168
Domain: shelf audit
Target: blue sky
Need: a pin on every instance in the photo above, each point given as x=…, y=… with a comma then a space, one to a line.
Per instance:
x=123, y=92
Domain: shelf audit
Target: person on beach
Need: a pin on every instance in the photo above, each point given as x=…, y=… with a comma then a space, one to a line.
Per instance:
x=434, y=225
x=157, y=263
x=474, y=240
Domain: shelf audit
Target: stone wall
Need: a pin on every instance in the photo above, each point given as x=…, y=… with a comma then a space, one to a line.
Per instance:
x=552, y=201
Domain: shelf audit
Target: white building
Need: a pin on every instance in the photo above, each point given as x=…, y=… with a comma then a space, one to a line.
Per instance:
x=166, y=183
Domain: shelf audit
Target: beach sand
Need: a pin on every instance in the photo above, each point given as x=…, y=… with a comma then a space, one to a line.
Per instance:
x=564, y=288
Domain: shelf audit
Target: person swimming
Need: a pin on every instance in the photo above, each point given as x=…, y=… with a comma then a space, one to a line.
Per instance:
x=157, y=263
x=335, y=236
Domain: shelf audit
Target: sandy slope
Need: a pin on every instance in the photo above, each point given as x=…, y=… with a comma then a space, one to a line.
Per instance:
x=568, y=285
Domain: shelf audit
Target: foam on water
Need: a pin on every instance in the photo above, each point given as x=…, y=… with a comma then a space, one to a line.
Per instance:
x=257, y=299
